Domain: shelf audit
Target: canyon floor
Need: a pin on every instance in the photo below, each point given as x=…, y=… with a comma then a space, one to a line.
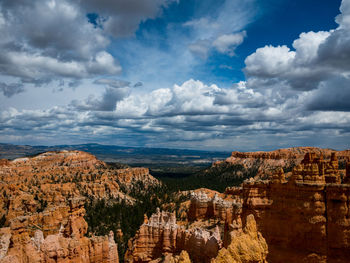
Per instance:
x=288, y=205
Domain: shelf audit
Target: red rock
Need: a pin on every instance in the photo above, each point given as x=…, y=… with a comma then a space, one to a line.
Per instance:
x=42, y=198
x=160, y=235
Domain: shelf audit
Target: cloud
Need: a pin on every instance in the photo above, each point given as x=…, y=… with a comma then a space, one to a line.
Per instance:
x=293, y=95
x=332, y=95
x=227, y=43
x=189, y=115
x=115, y=83
x=200, y=48
x=220, y=29
x=122, y=18
x=64, y=44
x=115, y=91
x=317, y=57
x=11, y=89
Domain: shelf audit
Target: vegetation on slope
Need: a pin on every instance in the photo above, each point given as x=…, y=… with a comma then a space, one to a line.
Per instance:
x=103, y=216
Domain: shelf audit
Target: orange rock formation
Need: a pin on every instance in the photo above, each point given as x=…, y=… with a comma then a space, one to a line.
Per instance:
x=266, y=162
x=42, y=204
x=160, y=235
x=305, y=218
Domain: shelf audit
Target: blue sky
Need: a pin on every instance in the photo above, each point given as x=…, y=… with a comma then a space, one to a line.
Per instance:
x=220, y=75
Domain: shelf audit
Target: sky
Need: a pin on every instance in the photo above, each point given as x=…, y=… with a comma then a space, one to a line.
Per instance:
x=230, y=75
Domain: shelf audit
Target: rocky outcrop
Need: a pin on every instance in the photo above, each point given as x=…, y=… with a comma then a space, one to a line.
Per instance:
x=206, y=204
x=160, y=235
x=56, y=236
x=246, y=245
x=303, y=214
x=264, y=164
x=42, y=203
x=303, y=218
x=170, y=258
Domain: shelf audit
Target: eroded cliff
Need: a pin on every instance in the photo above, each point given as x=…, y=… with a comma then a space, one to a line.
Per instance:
x=42, y=206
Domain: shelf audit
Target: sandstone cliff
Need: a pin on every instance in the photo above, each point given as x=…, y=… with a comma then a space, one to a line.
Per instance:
x=303, y=214
x=42, y=206
x=160, y=235
x=246, y=246
x=160, y=239
x=58, y=235
x=303, y=218
x=263, y=164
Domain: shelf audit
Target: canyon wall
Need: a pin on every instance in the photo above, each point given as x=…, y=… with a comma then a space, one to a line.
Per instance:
x=161, y=239
x=42, y=206
x=160, y=235
x=304, y=218
x=304, y=215
x=264, y=164
x=58, y=235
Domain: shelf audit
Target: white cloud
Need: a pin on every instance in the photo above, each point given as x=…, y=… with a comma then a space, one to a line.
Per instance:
x=318, y=56
x=269, y=61
x=222, y=28
x=227, y=43
x=292, y=95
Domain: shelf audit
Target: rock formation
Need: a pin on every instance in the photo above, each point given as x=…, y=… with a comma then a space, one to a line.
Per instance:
x=42, y=206
x=212, y=205
x=264, y=164
x=160, y=239
x=160, y=235
x=303, y=218
x=56, y=236
x=246, y=246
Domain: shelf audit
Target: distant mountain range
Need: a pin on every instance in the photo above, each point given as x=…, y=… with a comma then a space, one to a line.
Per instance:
x=134, y=156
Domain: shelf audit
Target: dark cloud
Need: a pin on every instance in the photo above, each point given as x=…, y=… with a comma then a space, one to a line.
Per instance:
x=332, y=95
x=116, y=91
x=121, y=18
x=114, y=83
x=11, y=89
x=138, y=84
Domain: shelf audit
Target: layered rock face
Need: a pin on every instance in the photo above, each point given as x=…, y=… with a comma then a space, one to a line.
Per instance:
x=206, y=204
x=246, y=245
x=303, y=215
x=55, y=236
x=42, y=206
x=160, y=239
x=160, y=235
x=264, y=164
x=304, y=218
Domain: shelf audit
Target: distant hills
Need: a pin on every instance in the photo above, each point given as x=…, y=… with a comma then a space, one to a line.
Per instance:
x=134, y=156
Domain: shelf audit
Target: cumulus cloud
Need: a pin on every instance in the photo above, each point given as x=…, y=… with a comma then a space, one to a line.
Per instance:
x=193, y=113
x=317, y=57
x=115, y=91
x=200, y=48
x=43, y=41
x=332, y=95
x=296, y=95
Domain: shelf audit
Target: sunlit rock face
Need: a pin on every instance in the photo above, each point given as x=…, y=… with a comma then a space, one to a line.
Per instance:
x=160, y=239
x=246, y=245
x=302, y=214
x=160, y=235
x=264, y=164
x=42, y=205
x=303, y=218
x=64, y=241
